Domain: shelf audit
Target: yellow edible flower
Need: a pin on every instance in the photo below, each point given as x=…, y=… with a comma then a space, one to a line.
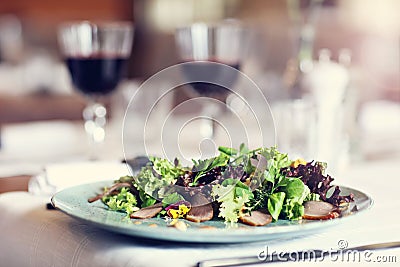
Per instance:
x=173, y=213
x=180, y=212
x=298, y=162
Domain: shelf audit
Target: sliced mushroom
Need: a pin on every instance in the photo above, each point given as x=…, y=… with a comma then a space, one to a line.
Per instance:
x=256, y=218
x=147, y=212
x=320, y=210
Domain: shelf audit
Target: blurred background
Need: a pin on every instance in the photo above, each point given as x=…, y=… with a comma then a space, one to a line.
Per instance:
x=361, y=35
x=31, y=62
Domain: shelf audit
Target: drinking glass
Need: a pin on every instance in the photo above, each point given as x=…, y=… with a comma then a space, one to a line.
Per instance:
x=215, y=53
x=96, y=55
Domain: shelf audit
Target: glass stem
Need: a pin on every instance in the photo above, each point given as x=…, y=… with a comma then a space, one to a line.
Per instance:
x=95, y=120
x=211, y=111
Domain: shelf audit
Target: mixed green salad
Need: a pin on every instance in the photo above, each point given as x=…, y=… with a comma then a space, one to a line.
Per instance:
x=233, y=186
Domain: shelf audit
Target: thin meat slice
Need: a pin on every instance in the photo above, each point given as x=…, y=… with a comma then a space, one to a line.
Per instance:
x=320, y=210
x=109, y=191
x=201, y=210
x=200, y=213
x=256, y=218
x=147, y=212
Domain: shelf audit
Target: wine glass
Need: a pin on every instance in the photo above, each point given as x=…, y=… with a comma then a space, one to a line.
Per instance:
x=215, y=55
x=96, y=55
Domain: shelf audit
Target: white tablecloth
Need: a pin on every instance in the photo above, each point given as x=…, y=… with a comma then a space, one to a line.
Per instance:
x=31, y=235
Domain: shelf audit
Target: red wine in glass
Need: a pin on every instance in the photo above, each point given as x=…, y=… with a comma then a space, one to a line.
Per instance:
x=97, y=74
x=95, y=54
x=202, y=46
x=214, y=74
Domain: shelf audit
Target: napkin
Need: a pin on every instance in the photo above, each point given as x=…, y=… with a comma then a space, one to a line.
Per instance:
x=58, y=176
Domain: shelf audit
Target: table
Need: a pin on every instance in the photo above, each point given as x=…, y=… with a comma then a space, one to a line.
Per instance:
x=32, y=235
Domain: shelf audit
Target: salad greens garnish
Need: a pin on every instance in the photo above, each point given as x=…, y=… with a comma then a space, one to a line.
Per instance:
x=171, y=199
x=169, y=171
x=201, y=167
x=281, y=195
x=154, y=179
x=240, y=157
x=236, y=182
x=313, y=175
x=233, y=195
x=123, y=201
x=275, y=204
x=296, y=191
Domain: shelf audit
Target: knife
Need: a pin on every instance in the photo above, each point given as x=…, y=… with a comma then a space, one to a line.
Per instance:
x=291, y=256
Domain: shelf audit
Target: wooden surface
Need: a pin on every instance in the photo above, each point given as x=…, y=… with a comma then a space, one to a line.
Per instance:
x=40, y=19
x=15, y=109
x=49, y=11
x=40, y=107
x=14, y=183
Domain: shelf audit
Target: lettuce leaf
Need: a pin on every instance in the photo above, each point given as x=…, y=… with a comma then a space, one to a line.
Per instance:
x=233, y=196
x=172, y=198
x=166, y=169
x=201, y=167
x=123, y=201
x=154, y=178
x=285, y=195
x=147, y=200
x=296, y=192
x=292, y=209
x=275, y=204
x=313, y=175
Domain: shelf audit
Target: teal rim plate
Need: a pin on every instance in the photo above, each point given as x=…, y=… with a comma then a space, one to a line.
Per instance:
x=74, y=202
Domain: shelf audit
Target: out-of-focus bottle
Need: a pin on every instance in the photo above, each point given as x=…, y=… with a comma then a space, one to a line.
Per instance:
x=328, y=82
